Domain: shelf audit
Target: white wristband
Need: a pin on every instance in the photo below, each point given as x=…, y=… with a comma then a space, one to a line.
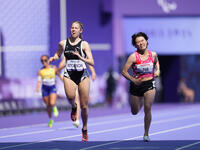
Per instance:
x=39, y=78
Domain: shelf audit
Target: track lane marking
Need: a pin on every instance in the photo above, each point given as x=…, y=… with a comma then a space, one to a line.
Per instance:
x=27, y=133
x=102, y=123
x=186, y=146
x=116, y=129
x=137, y=137
x=165, y=112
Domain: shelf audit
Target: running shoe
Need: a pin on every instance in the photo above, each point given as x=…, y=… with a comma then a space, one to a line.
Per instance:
x=76, y=123
x=55, y=111
x=84, y=135
x=73, y=113
x=50, y=124
x=146, y=138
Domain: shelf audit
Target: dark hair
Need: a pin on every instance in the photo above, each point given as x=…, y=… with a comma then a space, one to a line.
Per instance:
x=134, y=36
x=81, y=26
x=44, y=56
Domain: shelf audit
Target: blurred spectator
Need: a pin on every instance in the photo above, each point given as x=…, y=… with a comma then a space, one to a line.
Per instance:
x=121, y=95
x=159, y=89
x=111, y=78
x=5, y=89
x=185, y=92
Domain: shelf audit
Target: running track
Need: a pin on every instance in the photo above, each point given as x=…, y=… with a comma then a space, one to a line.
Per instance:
x=174, y=127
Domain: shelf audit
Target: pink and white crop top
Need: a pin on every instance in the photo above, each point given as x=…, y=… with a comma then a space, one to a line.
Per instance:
x=142, y=69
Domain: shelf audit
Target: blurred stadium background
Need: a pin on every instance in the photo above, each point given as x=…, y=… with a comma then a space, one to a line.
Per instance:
x=31, y=28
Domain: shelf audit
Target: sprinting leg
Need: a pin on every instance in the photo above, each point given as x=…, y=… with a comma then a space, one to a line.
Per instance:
x=53, y=97
x=77, y=122
x=46, y=99
x=135, y=103
x=148, y=100
x=84, y=88
x=70, y=91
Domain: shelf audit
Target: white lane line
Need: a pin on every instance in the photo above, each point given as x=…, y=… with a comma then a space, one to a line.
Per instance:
x=18, y=145
x=163, y=113
x=61, y=122
x=114, y=129
x=132, y=148
x=187, y=146
x=65, y=128
x=176, y=129
x=26, y=126
x=27, y=133
x=137, y=137
x=71, y=127
x=106, y=122
x=110, y=122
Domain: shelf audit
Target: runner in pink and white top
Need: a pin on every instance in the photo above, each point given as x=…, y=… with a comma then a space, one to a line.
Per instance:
x=145, y=66
x=142, y=69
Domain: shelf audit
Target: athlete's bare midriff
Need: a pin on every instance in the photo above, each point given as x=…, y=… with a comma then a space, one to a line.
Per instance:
x=145, y=79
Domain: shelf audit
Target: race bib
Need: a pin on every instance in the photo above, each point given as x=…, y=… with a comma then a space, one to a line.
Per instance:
x=49, y=81
x=144, y=68
x=75, y=65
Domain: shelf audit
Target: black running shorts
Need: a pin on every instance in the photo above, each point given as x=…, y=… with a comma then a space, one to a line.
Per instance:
x=139, y=90
x=76, y=76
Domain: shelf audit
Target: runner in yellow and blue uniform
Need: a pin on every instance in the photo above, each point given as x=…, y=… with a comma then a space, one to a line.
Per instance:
x=47, y=76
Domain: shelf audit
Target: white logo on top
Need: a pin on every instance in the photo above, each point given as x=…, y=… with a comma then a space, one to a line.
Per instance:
x=166, y=6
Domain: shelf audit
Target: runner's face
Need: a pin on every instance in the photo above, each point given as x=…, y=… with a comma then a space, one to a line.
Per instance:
x=75, y=30
x=141, y=43
x=44, y=61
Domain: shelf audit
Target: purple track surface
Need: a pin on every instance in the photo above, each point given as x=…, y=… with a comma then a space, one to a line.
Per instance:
x=173, y=127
